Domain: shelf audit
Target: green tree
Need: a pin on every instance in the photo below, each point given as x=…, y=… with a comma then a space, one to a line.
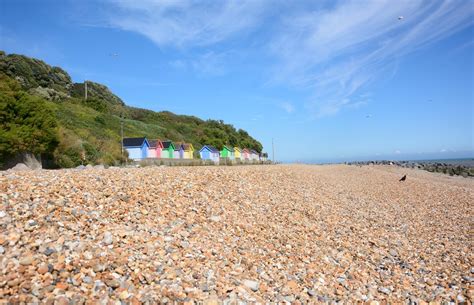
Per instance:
x=27, y=123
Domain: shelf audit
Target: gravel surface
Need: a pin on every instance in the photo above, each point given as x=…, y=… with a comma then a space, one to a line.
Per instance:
x=287, y=233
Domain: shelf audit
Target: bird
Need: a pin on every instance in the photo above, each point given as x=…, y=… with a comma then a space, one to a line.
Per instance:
x=403, y=178
x=368, y=116
x=400, y=17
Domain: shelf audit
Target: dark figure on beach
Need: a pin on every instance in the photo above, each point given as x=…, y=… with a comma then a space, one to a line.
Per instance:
x=403, y=178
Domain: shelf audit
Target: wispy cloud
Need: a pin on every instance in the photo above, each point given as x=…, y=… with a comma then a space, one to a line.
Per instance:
x=337, y=52
x=209, y=63
x=287, y=106
x=334, y=49
x=187, y=23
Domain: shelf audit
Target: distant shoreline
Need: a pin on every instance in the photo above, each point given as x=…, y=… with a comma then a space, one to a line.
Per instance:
x=469, y=162
x=452, y=167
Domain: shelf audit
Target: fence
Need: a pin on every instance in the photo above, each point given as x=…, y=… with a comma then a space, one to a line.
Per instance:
x=194, y=162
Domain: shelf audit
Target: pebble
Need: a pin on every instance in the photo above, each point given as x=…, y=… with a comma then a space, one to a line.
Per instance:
x=279, y=233
x=124, y=295
x=48, y=251
x=28, y=260
x=253, y=285
x=108, y=239
x=383, y=290
x=61, y=301
x=112, y=283
x=215, y=218
x=43, y=268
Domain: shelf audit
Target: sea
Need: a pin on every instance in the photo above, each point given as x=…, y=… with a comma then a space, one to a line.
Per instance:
x=468, y=162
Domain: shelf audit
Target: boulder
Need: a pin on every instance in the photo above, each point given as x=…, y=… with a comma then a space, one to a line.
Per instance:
x=20, y=167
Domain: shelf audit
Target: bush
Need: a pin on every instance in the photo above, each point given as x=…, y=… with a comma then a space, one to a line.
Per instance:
x=27, y=123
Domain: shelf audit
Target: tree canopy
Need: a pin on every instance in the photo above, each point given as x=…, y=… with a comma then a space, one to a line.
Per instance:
x=27, y=123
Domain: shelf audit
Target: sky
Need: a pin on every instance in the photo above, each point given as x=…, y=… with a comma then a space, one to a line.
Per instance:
x=326, y=80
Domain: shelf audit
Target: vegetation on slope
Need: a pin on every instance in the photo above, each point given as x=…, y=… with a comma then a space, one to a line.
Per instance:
x=89, y=130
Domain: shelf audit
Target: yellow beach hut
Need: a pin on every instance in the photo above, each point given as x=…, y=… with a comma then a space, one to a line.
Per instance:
x=237, y=153
x=188, y=151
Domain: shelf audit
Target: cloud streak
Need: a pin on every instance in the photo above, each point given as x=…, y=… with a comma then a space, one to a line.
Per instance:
x=186, y=23
x=340, y=51
x=334, y=50
x=287, y=106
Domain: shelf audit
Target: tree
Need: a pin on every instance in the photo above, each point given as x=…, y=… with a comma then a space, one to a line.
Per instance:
x=27, y=124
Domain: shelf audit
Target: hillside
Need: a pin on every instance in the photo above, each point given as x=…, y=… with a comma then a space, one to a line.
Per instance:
x=92, y=126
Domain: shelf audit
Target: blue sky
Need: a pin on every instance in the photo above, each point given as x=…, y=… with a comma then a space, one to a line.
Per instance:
x=328, y=80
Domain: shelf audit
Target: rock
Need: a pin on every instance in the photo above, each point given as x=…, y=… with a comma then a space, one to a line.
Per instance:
x=3, y=214
x=43, y=268
x=211, y=301
x=124, y=295
x=80, y=167
x=383, y=290
x=215, y=218
x=27, y=260
x=48, y=251
x=283, y=233
x=98, y=267
x=113, y=283
x=108, y=239
x=99, y=166
x=62, y=300
x=20, y=167
x=253, y=285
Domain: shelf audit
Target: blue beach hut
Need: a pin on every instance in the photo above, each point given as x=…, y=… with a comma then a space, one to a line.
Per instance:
x=208, y=152
x=137, y=148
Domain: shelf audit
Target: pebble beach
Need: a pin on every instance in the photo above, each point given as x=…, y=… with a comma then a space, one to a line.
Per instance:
x=253, y=234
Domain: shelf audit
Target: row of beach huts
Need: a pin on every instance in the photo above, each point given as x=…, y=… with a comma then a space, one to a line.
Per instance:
x=141, y=148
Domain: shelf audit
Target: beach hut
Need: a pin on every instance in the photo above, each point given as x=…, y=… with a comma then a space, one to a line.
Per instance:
x=208, y=152
x=188, y=151
x=253, y=155
x=237, y=153
x=178, y=151
x=227, y=152
x=168, y=150
x=154, y=151
x=263, y=156
x=137, y=148
x=245, y=155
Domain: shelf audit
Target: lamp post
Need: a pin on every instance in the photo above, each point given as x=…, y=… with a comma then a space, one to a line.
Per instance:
x=85, y=90
x=273, y=152
x=121, y=134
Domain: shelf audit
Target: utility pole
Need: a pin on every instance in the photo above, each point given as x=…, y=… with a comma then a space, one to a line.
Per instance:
x=85, y=90
x=121, y=132
x=273, y=152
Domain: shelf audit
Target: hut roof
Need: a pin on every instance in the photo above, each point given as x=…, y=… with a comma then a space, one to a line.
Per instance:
x=187, y=146
x=167, y=144
x=210, y=148
x=133, y=142
x=228, y=148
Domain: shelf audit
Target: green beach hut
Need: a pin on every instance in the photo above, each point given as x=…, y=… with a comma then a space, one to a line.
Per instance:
x=168, y=150
x=227, y=152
